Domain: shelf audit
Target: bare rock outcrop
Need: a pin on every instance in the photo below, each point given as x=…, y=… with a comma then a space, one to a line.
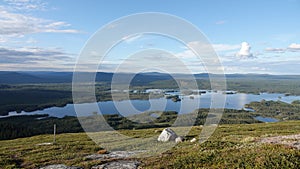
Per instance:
x=167, y=135
x=289, y=140
x=124, y=164
x=60, y=166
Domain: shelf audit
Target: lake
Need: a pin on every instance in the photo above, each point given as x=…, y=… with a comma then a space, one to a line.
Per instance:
x=266, y=119
x=233, y=101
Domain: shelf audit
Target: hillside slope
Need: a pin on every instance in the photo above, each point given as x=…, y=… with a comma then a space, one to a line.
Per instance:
x=231, y=146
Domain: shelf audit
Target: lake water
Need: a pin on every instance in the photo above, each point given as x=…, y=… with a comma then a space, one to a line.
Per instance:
x=233, y=101
x=266, y=119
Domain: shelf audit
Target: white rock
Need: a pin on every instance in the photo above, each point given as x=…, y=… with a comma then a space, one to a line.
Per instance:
x=167, y=135
x=179, y=139
x=193, y=140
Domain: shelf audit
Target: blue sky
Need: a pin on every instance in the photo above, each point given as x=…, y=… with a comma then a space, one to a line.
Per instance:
x=249, y=36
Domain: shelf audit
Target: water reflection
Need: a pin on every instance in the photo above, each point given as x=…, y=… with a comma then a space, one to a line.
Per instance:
x=233, y=101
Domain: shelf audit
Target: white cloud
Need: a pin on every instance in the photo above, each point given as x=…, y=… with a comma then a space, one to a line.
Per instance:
x=276, y=50
x=57, y=24
x=294, y=47
x=203, y=49
x=245, y=52
x=26, y=54
x=131, y=38
x=206, y=49
x=216, y=47
x=186, y=54
x=35, y=58
x=17, y=23
x=14, y=24
x=26, y=5
x=155, y=60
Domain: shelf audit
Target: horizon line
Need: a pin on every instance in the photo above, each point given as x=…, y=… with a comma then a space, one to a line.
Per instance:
x=45, y=71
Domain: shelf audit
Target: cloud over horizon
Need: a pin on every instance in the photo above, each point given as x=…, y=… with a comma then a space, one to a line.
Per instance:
x=34, y=58
x=276, y=50
x=293, y=47
x=17, y=24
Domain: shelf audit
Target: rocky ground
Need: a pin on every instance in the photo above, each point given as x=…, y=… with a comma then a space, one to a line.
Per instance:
x=288, y=140
x=114, y=160
x=126, y=160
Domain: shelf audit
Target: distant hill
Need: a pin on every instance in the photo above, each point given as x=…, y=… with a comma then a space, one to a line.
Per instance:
x=9, y=77
x=15, y=77
x=263, y=76
x=34, y=77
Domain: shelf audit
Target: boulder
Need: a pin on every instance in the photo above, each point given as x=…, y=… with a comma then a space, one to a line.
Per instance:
x=103, y=151
x=113, y=154
x=167, y=135
x=179, y=139
x=193, y=140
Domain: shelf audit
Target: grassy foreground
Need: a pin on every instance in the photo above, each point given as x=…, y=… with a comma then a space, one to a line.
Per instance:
x=231, y=146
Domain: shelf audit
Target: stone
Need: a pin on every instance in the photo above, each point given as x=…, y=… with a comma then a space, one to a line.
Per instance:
x=122, y=164
x=193, y=140
x=113, y=154
x=59, y=166
x=167, y=135
x=179, y=139
x=102, y=151
x=44, y=144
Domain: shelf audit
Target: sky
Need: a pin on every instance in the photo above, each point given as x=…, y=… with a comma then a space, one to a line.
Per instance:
x=248, y=36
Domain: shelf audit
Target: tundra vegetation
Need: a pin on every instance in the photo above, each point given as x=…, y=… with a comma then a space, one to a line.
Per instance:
x=231, y=146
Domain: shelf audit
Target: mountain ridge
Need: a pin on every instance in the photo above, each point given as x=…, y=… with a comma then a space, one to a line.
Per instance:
x=23, y=77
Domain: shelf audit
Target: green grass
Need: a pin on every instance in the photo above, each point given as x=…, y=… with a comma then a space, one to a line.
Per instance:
x=25, y=153
x=234, y=146
x=231, y=146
